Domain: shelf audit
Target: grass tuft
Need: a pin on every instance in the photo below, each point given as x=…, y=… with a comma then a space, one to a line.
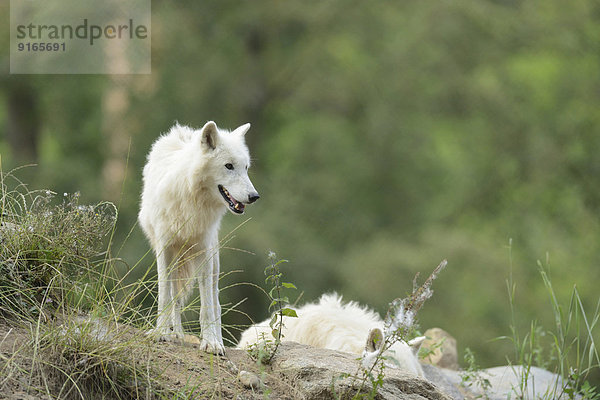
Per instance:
x=91, y=357
x=48, y=244
x=569, y=349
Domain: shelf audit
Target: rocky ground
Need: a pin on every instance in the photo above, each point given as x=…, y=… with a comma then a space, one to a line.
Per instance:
x=296, y=372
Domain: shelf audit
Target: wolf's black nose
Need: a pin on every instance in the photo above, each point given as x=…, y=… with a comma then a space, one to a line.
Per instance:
x=253, y=197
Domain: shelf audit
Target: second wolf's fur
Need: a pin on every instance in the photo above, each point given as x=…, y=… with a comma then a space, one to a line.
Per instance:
x=332, y=324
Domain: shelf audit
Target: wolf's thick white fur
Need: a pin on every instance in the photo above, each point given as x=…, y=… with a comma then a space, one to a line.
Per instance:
x=190, y=179
x=331, y=324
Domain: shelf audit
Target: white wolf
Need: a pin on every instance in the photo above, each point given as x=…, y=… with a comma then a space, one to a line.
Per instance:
x=331, y=324
x=191, y=177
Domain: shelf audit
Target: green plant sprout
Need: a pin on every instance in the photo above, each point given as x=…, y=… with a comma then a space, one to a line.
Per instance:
x=264, y=350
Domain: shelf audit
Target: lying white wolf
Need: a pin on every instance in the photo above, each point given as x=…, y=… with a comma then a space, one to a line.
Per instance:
x=330, y=324
x=190, y=179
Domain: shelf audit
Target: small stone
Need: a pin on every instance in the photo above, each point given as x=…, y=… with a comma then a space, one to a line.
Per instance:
x=445, y=354
x=249, y=380
x=191, y=340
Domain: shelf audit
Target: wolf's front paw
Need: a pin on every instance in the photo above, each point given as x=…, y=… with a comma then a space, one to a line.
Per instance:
x=161, y=335
x=212, y=346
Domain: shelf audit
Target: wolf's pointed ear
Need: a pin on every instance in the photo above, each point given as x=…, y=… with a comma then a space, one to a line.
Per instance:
x=241, y=130
x=210, y=134
x=374, y=340
x=415, y=344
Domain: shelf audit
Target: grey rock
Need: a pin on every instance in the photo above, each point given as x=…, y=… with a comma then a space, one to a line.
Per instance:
x=249, y=380
x=328, y=374
x=539, y=383
x=443, y=382
x=508, y=380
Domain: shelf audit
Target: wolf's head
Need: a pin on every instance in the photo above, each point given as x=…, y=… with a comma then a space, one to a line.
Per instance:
x=228, y=165
x=400, y=354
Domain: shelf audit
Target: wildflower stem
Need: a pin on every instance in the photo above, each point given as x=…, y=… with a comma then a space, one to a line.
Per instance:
x=400, y=318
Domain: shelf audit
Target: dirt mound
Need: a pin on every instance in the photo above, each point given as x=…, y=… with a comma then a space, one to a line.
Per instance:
x=32, y=366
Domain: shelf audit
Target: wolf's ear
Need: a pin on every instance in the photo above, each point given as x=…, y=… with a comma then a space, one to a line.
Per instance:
x=374, y=340
x=210, y=134
x=415, y=344
x=241, y=130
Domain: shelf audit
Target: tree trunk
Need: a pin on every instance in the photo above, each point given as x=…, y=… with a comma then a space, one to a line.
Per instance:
x=116, y=128
x=23, y=120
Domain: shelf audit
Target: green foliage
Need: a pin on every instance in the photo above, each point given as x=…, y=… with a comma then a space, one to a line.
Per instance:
x=376, y=381
x=264, y=350
x=586, y=391
x=426, y=351
x=473, y=377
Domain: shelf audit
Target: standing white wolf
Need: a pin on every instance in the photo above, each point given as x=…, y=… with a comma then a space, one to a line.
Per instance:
x=191, y=177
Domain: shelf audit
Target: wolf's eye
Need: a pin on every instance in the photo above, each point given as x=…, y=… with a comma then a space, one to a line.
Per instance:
x=229, y=166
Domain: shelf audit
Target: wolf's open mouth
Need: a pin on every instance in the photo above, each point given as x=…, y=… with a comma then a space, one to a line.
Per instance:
x=234, y=205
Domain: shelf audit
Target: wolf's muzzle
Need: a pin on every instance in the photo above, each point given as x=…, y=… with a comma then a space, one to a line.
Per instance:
x=253, y=197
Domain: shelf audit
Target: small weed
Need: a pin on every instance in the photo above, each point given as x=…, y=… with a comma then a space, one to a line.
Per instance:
x=399, y=325
x=586, y=391
x=425, y=352
x=473, y=377
x=264, y=350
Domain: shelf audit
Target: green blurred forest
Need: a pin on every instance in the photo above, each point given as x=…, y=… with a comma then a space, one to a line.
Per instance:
x=386, y=137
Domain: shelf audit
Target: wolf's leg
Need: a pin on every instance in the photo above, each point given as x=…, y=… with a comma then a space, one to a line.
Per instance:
x=166, y=298
x=216, y=266
x=215, y=292
x=176, y=326
x=210, y=320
